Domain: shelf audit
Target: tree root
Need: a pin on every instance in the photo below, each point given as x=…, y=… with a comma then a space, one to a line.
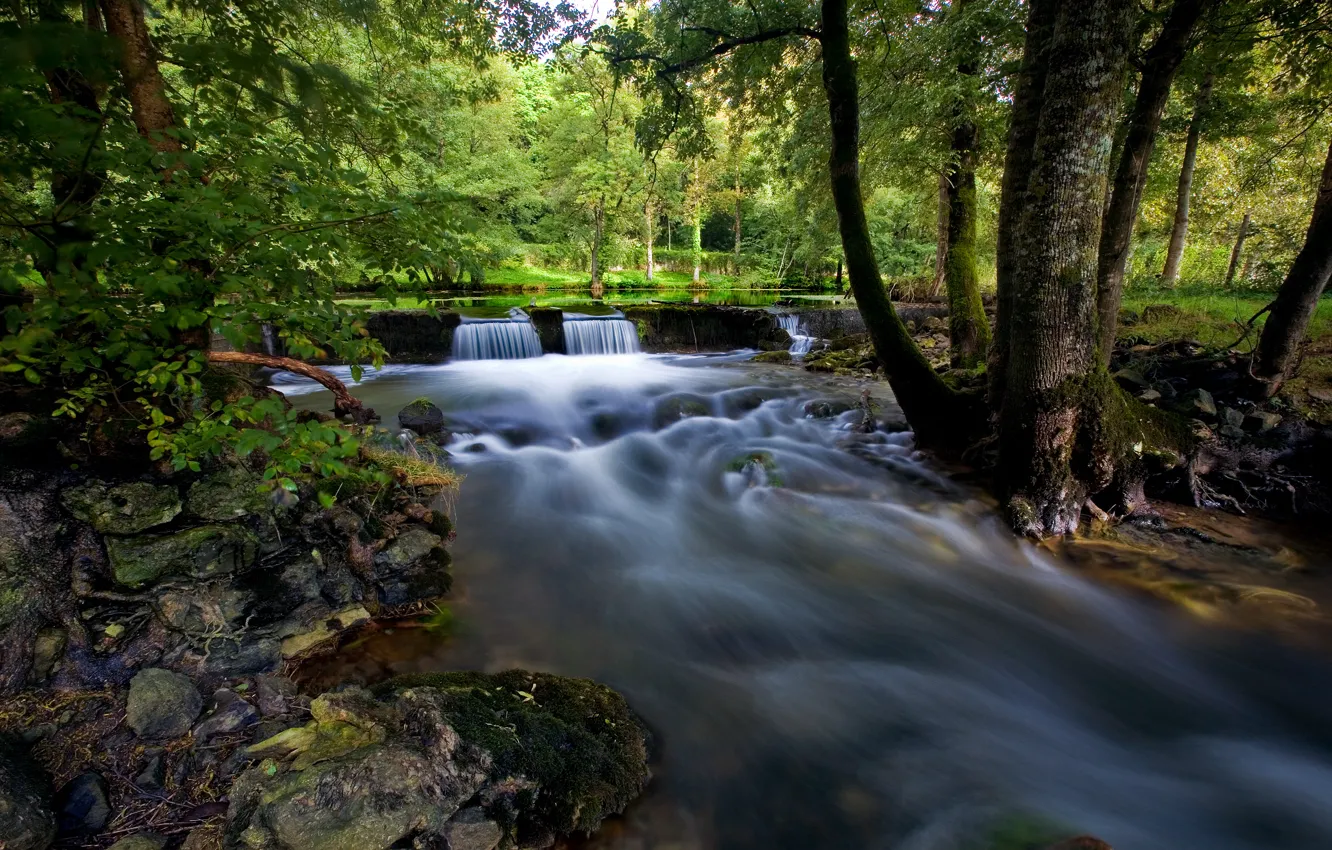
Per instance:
x=344, y=403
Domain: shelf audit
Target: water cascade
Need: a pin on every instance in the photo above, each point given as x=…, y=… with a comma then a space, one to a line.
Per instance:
x=504, y=339
x=839, y=647
x=600, y=336
x=800, y=338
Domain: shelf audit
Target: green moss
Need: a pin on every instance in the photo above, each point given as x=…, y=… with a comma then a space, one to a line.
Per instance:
x=759, y=459
x=577, y=739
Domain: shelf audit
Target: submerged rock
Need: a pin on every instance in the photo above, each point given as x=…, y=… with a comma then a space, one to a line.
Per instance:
x=161, y=704
x=458, y=759
x=26, y=819
x=125, y=508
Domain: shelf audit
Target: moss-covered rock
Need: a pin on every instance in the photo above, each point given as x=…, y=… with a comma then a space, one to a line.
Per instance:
x=422, y=416
x=435, y=757
x=679, y=406
x=204, y=552
x=779, y=356
x=230, y=493
x=122, y=509
x=577, y=740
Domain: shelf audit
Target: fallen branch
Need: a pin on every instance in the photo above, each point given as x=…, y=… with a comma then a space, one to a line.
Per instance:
x=344, y=403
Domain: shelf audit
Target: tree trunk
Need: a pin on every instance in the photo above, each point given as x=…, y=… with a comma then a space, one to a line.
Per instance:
x=1018, y=161
x=598, y=231
x=696, y=224
x=344, y=402
x=936, y=413
x=941, y=237
x=74, y=184
x=1296, y=301
x=837, y=284
x=1158, y=73
x=738, y=199
x=1055, y=394
x=1180, y=230
x=1237, y=251
x=649, y=226
x=144, y=87
x=968, y=327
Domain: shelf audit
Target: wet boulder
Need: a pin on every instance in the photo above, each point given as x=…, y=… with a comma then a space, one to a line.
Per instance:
x=464, y=760
x=423, y=417
x=26, y=819
x=205, y=552
x=161, y=704
x=412, y=566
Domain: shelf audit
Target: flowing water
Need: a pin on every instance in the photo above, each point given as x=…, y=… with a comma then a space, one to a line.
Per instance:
x=801, y=341
x=502, y=339
x=836, y=647
x=584, y=335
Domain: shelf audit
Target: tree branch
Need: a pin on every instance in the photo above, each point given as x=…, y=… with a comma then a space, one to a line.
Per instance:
x=721, y=48
x=343, y=401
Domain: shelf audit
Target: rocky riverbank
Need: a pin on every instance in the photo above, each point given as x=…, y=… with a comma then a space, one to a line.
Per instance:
x=149, y=624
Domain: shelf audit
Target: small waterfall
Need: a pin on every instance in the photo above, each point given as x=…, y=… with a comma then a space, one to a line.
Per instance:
x=800, y=338
x=600, y=336
x=497, y=340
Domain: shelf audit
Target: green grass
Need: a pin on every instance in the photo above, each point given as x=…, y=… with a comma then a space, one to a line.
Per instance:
x=532, y=276
x=1211, y=316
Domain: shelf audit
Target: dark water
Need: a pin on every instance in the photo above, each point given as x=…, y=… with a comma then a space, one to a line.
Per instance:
x=837, y=648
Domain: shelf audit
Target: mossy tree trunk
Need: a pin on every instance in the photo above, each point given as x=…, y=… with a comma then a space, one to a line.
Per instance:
x=1179, y=231
x=1159, y=67
x=1057, y=397
x=1279, y=345
x=968, y=327
x=941, y=236
x=938, y=414
x=1018, y=160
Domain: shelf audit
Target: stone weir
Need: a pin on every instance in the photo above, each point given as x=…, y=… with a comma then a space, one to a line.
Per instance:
x=415, y=336
x=705, y=327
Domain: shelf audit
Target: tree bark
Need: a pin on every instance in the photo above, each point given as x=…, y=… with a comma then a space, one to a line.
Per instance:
x=1237, y=251
x=941, y=237
x=344, y=402
x=1179, y=231
x=598, y=231
x=696, y=223
x=738, y=199
x=144, y=87
x=938, y=415
x=1018, y=161
x=1158, y=73
x=968, y=327
x=649, y=228
x=1296, y=301
x=1052, y=401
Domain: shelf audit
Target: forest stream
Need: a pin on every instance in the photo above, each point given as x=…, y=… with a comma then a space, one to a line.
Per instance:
x=836, y=646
